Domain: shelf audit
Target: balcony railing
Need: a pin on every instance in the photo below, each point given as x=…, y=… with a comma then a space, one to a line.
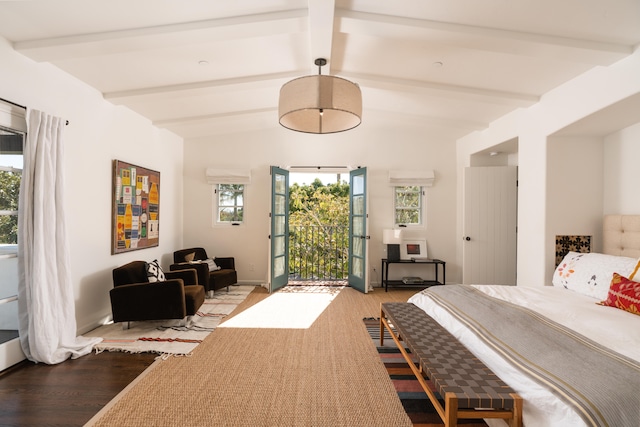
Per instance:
x=318, y=252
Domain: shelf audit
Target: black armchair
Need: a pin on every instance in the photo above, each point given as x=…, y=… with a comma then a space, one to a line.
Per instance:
x=134, y=298
x=211, y=280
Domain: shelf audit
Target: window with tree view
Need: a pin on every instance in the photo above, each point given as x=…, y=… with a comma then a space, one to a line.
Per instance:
x=408, y=205
x=11, y=143
x=10, y=175
x=230, y=202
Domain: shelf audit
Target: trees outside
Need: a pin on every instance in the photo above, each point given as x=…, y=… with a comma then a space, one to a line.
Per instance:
x=230, y=202
x=408, y=204
x=9, y=191
x=318, y=230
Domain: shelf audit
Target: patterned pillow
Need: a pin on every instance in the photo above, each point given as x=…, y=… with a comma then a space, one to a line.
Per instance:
x=623, y=294
x=154, y=272
x=590, y=273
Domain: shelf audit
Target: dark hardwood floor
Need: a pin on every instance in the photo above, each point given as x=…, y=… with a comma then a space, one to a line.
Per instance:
x=67, y=394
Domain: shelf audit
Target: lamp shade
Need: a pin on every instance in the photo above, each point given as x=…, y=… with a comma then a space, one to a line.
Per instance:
x=320, y=104
x=392, y=237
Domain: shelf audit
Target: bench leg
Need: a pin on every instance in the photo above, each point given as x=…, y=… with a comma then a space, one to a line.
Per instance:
x=450, y=410
x=516, y=421
x=381, y=327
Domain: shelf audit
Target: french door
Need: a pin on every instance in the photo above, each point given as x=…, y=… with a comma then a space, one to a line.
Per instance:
x=279, y=237
x=358, y=238
x=279, y=247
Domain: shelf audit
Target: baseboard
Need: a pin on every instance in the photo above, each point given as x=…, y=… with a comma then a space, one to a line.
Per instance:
x=11, y=354
x=90, y=326
x=251, y=282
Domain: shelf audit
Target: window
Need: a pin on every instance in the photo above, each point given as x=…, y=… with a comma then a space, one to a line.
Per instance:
x=408, y=202
x=230, y=203
x=11, y=143
x=10, y=175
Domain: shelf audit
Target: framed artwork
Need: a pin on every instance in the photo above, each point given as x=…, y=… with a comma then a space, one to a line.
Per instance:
x=413, y=249
x=135, y=215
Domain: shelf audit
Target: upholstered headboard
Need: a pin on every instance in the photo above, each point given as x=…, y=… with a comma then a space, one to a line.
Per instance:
x=621, y=235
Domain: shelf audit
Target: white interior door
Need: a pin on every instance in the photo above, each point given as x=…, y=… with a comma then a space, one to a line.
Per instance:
x=490, y=225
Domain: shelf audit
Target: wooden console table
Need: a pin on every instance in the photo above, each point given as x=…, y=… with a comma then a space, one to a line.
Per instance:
x=425, y=283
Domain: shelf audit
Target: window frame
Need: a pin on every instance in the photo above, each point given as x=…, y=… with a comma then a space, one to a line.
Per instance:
x=12, y=119
x=216, y=205
x=420, y=208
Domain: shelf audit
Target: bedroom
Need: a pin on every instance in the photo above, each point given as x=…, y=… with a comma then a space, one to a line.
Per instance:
x=553, y=188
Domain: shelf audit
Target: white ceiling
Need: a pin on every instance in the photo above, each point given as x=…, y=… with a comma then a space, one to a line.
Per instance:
x=453, y=65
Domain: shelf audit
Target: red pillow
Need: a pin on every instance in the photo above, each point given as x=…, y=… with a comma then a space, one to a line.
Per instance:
x=623, y=294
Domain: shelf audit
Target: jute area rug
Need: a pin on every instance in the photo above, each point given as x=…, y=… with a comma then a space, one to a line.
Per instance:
x=169, y=337
x=327, y=374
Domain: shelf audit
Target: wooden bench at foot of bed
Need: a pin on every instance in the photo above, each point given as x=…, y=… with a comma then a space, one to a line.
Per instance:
x=467, y=388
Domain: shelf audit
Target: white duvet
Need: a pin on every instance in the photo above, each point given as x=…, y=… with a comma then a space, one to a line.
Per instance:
x=608, y=326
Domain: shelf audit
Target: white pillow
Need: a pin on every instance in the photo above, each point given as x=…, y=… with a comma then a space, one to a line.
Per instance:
x=590, y=273
x=212, y=264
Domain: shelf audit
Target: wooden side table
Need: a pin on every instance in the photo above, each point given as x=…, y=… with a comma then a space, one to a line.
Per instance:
x=422, y=262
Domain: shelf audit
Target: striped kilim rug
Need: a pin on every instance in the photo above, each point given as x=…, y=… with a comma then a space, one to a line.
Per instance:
x=414, y=400
x=167, y=337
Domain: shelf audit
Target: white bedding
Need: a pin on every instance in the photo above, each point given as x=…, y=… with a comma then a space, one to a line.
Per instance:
x=614, y=328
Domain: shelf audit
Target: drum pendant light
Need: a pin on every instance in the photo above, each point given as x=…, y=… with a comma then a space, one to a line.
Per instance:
x=320, y=104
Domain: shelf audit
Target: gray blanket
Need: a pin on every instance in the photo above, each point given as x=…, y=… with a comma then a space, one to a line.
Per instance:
x=601, y=385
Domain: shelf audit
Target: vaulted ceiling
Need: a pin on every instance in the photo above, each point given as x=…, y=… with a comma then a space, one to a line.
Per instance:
x=203, y=67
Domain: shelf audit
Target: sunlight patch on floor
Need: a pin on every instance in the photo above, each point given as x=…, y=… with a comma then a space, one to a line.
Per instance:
x=292, y=307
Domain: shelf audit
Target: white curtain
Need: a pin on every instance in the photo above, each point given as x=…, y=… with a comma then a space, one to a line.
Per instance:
x=45, y=293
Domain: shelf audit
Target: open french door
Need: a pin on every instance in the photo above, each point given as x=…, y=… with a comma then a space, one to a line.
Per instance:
x=279, y=248
x=358, y=238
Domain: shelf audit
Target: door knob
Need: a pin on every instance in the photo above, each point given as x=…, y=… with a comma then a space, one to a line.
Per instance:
x=467, y=238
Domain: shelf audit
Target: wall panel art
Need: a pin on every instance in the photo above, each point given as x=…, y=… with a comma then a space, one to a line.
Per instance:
x=136, y=208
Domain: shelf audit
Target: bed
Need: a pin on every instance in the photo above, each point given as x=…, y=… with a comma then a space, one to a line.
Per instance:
x=580, y=282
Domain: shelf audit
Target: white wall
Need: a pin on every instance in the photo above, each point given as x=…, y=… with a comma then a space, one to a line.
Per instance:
x=574, y=188
x=621, y=154
x=375, y=144
x=538, y=217
x=98, y=133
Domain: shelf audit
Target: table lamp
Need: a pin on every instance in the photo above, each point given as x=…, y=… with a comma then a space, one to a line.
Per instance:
x=392, y=238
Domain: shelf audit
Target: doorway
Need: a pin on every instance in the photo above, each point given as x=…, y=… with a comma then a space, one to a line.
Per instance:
x=318, y=229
